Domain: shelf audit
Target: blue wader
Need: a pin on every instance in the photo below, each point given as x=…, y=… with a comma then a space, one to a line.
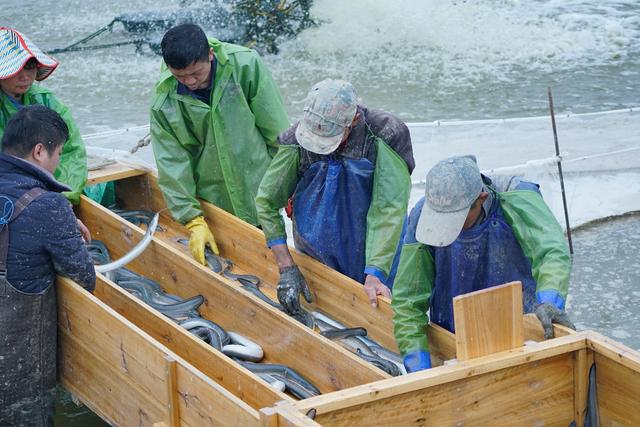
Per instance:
x=482, y=256
x=330, y=207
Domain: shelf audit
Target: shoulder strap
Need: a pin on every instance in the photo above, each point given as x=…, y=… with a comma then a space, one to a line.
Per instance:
x=20, y=204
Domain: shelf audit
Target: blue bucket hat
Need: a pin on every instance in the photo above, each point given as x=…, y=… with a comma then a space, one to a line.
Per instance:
x=16, y=50
x=453, y=184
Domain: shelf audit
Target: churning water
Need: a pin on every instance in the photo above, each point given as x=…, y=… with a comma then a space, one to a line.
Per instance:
x=424, y=60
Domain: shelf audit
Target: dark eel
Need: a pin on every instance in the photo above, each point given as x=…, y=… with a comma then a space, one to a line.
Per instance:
x=295, y=383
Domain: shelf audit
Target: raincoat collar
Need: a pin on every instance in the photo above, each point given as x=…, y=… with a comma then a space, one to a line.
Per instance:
x=12, y=164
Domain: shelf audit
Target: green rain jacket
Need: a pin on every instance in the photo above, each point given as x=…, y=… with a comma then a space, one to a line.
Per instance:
x=217, y=152
x=536, y=230
x=391, y=183
x=72, y=169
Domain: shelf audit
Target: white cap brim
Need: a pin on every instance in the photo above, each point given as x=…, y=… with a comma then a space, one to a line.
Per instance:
x=315, y=143
x=439, y=228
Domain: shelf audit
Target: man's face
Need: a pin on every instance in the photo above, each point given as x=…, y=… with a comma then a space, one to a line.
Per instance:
x=20, y=83
x=50, y=161
x=194, y=76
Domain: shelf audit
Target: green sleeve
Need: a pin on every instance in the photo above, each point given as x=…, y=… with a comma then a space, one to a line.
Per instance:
x=411, y=294
x=278, y=184
x=175, y=170
x=541, y=239
x=388, y=209
x=72, y=169
x=266, y=104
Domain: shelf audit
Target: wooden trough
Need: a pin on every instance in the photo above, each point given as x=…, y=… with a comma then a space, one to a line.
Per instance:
x=133, y=366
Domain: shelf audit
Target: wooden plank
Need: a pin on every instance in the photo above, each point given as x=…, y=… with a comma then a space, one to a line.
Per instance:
x=445, y=374
x=105, y=389
x=285, y=341
x=217, y=366
x=113, y=172
x=172, y=391
x=533, y=329
x=582, y=363
x=488, y=321
x=120, y=370
x=199, y=406
x=334, y=293
x=618, y=381
x=285, y=416
x=537, y=393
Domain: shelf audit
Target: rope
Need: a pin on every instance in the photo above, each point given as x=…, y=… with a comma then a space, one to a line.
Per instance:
x=7, y=211
x=142, y=142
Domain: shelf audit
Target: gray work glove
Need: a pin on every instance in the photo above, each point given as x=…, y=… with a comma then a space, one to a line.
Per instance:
x=290, y=285
x=548, y=314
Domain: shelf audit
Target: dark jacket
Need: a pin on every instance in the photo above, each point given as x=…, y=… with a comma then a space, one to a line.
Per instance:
x=44, y=240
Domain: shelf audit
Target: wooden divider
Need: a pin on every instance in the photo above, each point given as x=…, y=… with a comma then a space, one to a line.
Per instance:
x=488, y=321
x=217, y=366
x=525, y=386
x=618, y=381
x=334, y=294
x=124, y=375
x=326, y=364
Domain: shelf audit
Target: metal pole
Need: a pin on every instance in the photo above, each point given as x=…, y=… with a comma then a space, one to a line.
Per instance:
x=564, y=196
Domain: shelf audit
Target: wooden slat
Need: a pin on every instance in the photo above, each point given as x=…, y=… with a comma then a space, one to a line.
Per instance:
x=203, y=357
x=327, y=365
x=285, y=416
x=488, y=321
x=445, y=374
x=582, y=363
x=120, y=372
x=199, y=406
x=533, y=329
x=618, y=381
x=334, y=293
x=538, y=393
x=172, y=391
x=112, y=173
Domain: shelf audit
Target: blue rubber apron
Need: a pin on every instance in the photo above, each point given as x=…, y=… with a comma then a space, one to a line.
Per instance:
x=483, y=256
x=330, y=207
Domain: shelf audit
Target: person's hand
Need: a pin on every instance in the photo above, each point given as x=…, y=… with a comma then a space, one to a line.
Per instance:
x=374, y=287
x=200, y=237
x=417, y=361
x=290, y=285
x=548, y=314
x=84, y=231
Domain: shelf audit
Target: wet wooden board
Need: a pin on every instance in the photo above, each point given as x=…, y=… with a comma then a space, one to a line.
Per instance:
x=112, y=172
x=283, y=339
x=121, y=372
x=488, y=321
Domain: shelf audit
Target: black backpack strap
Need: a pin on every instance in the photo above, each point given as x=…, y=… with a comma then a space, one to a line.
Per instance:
x=19, y=206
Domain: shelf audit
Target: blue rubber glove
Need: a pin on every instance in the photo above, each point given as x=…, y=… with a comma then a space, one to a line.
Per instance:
x=417, y=361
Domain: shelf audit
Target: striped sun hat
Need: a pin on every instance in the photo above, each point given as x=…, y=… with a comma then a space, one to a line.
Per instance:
x=16, y=50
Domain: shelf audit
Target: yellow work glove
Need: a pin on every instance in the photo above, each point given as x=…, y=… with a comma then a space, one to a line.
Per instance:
x=200, y=237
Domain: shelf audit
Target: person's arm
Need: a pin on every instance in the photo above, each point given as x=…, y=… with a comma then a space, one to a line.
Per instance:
x=411, y=294
x=175, y=170
x=62, y=240
x=266, y=104
x=277, y=186
x=387, y=212
x=542, y=241
x=72, y=169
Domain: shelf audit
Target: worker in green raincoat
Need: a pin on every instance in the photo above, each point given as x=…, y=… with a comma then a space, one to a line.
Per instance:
x=215, y=118
x=21, y=62
x=470, y=233
x=346, y=169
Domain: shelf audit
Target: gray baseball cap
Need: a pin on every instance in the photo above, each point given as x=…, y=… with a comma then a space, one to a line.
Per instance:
x=453, y=185
x=329, y=109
